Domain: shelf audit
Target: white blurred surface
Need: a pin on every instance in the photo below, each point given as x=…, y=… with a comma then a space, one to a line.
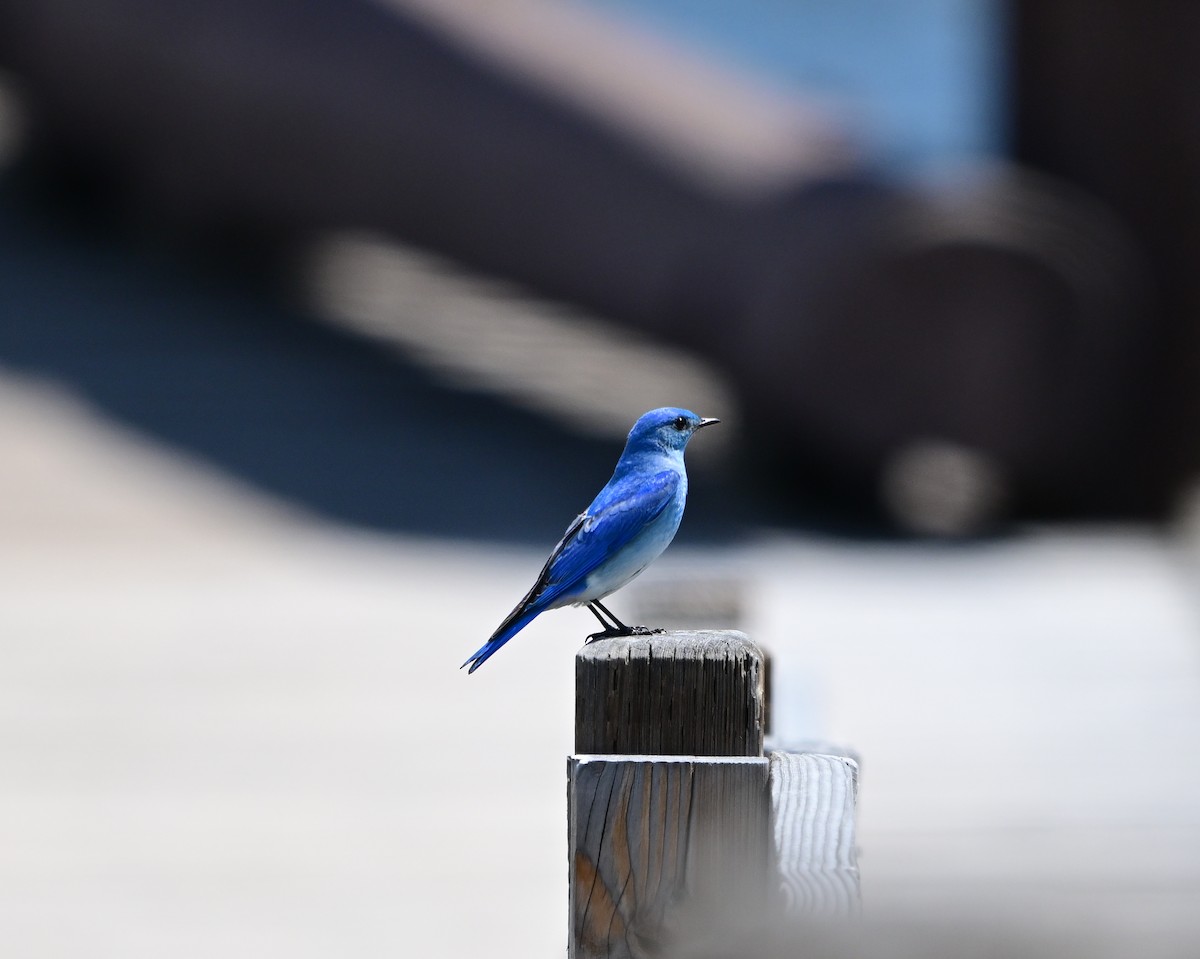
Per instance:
x=228, y=729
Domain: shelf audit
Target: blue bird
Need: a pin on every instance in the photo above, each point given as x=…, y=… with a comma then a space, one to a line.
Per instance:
x=630, y=522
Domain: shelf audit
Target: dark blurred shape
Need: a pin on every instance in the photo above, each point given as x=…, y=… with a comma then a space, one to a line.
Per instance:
x=1002, y=323
x=859, y=319
x=1107, y=96
x=205, y=361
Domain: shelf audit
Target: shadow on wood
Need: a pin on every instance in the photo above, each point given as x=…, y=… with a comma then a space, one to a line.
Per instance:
x=664, y=849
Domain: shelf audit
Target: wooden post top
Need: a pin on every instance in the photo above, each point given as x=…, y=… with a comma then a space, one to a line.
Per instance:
x=680, y=692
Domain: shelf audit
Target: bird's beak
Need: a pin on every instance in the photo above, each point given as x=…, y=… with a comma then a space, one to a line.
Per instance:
x=707, y=421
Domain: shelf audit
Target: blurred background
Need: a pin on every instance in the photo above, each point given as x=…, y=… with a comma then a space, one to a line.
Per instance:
x=320, y=320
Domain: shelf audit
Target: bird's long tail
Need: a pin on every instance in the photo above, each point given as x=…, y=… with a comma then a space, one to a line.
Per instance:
x=507, y=630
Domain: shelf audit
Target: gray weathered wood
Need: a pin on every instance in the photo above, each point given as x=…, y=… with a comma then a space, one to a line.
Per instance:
x=680, y=832
x=813, y=799
x=664, y=851
x=682, y=692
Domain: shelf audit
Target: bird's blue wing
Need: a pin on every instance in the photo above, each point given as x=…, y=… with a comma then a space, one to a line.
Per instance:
x=616, y=516
x=622, y=510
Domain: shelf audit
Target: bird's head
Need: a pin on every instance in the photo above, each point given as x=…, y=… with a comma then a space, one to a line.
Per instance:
x=668, y=429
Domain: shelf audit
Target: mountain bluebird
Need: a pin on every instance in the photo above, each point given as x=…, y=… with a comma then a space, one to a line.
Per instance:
x=630, y=522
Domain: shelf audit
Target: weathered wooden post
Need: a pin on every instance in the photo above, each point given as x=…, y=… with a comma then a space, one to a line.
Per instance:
x=679, y=827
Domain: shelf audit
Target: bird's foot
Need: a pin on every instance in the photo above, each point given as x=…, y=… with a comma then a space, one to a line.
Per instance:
x=622, y=633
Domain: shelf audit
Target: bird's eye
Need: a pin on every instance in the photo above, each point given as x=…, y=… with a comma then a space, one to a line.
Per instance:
x=681, y=423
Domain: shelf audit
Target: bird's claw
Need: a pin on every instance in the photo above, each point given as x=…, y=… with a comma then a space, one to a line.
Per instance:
x=622, y=633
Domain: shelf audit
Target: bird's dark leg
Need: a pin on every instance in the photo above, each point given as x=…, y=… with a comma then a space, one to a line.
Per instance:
x=610, y=629
x=616, y=627
x=598, y=607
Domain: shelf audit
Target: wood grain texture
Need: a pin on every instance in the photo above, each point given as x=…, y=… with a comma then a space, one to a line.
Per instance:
x=663, y=851
x=813, y=800
x=677, y=693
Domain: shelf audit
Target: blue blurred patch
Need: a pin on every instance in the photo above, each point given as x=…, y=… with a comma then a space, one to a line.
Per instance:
x=921, y=79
